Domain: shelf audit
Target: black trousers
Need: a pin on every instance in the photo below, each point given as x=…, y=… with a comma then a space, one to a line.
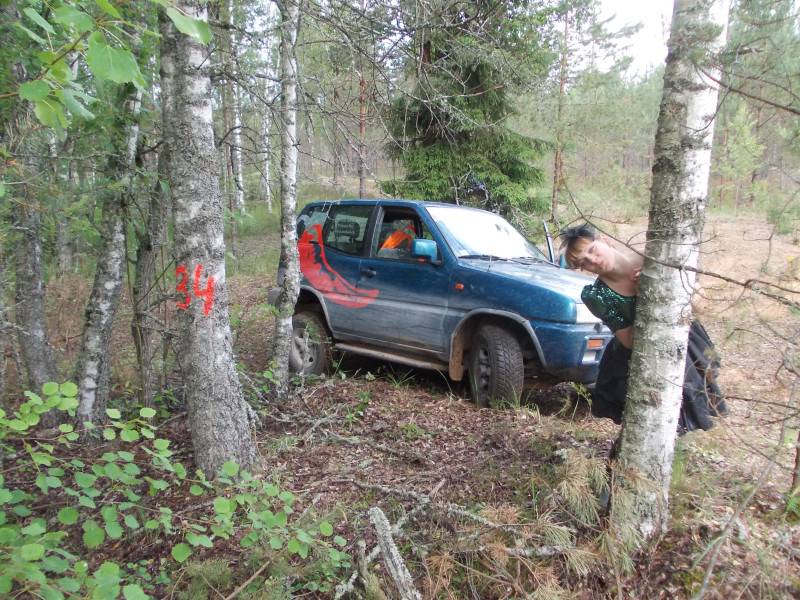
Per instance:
x=702, y=396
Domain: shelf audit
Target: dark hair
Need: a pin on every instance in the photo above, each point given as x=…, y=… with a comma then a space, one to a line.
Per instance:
x=574, y=240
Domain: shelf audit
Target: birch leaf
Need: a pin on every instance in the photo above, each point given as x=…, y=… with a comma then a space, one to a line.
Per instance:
x=106, y=62
x=194, y=28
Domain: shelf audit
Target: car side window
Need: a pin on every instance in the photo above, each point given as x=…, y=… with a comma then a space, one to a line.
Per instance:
x=345, y=229
x=394, y=234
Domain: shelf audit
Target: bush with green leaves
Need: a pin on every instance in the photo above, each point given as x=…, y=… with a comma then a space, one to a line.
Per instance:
x=62, y=507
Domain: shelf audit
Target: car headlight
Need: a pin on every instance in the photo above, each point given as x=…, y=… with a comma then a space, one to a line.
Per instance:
x=584, y=315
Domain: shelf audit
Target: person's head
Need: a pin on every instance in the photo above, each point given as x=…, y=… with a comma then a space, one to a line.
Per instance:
x=584, y=249
x=573, y=242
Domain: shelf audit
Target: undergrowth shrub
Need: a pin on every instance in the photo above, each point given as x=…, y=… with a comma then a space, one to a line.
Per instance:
x=63, y=509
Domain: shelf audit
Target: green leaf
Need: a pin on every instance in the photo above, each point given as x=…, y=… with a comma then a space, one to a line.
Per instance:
x=50, y=388
x=75, y=107
x=109, y=513
x=134, y=592
x=116, y=64
x=69, y=15
x=109, y=434
x=35, y=90
x=230, y=468
x=147, y=412
x=152, y=524
x=325, y=528
x=224, y=506
x=161, y=444
x=55, y=564
x=125, y=455
x=34, y=529
x=69, y=389
x=86, y=501
x=131, y=522
x=113, y=471
x=304, y=537
x=32, y=35
x=31, y=552
x=195, y=28
x=37, y=18
x=199, y=540
x=113, y=413
x=129, y=435
x=340, y=541
x=114, y=530
x=106, y=7
x=196, y=490
x=67, y=515
x=93, y=536
x=180, y=552
x=85, y=480
x=270, y=490
x=275, y=543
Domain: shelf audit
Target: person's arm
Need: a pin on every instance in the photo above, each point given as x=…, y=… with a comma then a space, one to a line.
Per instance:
x=625, y=336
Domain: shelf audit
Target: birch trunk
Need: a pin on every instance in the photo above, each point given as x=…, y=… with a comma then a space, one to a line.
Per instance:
x=93, y=373
x=150, y=239
x=236, y=150
x=37, y=354
x=677, y=216
x=289, y=24
x=219, y=417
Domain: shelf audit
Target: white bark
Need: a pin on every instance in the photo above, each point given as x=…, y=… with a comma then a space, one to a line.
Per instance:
x=391, y=556
x=219, y=417
x=94, y=362
x=290, y=21
x=677, y=216
x=238, y=170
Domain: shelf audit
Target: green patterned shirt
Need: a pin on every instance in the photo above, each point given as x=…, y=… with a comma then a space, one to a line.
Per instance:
x=614, y=310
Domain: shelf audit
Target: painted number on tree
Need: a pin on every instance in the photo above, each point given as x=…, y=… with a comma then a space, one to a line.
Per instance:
x=206, y=294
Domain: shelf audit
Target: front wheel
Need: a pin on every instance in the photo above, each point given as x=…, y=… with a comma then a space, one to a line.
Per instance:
x=311, y=351
x=496, y=371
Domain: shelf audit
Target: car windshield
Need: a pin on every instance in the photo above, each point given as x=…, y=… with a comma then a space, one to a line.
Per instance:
x=482, y=234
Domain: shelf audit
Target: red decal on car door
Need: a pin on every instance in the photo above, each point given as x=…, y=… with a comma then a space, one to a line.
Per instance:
x=317, y=270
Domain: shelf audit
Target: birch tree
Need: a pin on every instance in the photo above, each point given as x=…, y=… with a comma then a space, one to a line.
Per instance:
x=289, y=24
x=219, y=417
x=94, y=362
x=678, y=201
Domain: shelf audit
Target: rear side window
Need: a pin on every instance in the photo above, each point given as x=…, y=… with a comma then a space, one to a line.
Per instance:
x=345, y=229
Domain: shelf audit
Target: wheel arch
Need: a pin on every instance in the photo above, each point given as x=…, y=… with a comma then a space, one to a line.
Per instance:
x=309, y=301
x=519, y=327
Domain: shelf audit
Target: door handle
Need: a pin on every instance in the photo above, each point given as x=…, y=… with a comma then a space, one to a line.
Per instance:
x=370, y=272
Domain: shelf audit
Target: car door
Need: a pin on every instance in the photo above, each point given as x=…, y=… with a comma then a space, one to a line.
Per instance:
x=331, y=245
x=408, y=311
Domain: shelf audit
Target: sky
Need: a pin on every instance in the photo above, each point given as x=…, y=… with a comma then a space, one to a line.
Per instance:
x=649, y=45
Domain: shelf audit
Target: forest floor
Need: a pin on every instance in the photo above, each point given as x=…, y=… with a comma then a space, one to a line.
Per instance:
x=410, y=442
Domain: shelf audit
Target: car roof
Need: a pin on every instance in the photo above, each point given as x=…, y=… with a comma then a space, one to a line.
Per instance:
x=386, y=202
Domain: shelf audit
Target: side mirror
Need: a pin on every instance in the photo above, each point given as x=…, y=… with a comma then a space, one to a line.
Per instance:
x=425, y=249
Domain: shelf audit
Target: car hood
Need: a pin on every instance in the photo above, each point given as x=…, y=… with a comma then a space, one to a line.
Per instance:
x=546, y=275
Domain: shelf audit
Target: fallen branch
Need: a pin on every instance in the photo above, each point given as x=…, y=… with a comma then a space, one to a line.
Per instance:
x=391, y=556
x=383, y=448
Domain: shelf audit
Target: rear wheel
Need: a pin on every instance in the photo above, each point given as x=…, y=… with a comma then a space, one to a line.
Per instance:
x=311, y=351
x=496, y=370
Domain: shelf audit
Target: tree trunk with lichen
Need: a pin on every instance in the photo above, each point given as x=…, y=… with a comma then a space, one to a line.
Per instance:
x=677, y=216
x=219, y=417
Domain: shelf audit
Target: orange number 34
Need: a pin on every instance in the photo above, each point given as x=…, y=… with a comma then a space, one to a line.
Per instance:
x=207, y=294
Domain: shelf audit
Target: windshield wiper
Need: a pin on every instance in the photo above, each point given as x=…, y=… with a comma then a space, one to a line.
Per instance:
x=484, y=257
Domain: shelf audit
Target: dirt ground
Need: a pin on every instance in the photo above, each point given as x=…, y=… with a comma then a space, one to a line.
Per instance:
x=411, y=443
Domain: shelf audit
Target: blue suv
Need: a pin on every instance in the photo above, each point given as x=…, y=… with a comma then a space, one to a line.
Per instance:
x=438, y=286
